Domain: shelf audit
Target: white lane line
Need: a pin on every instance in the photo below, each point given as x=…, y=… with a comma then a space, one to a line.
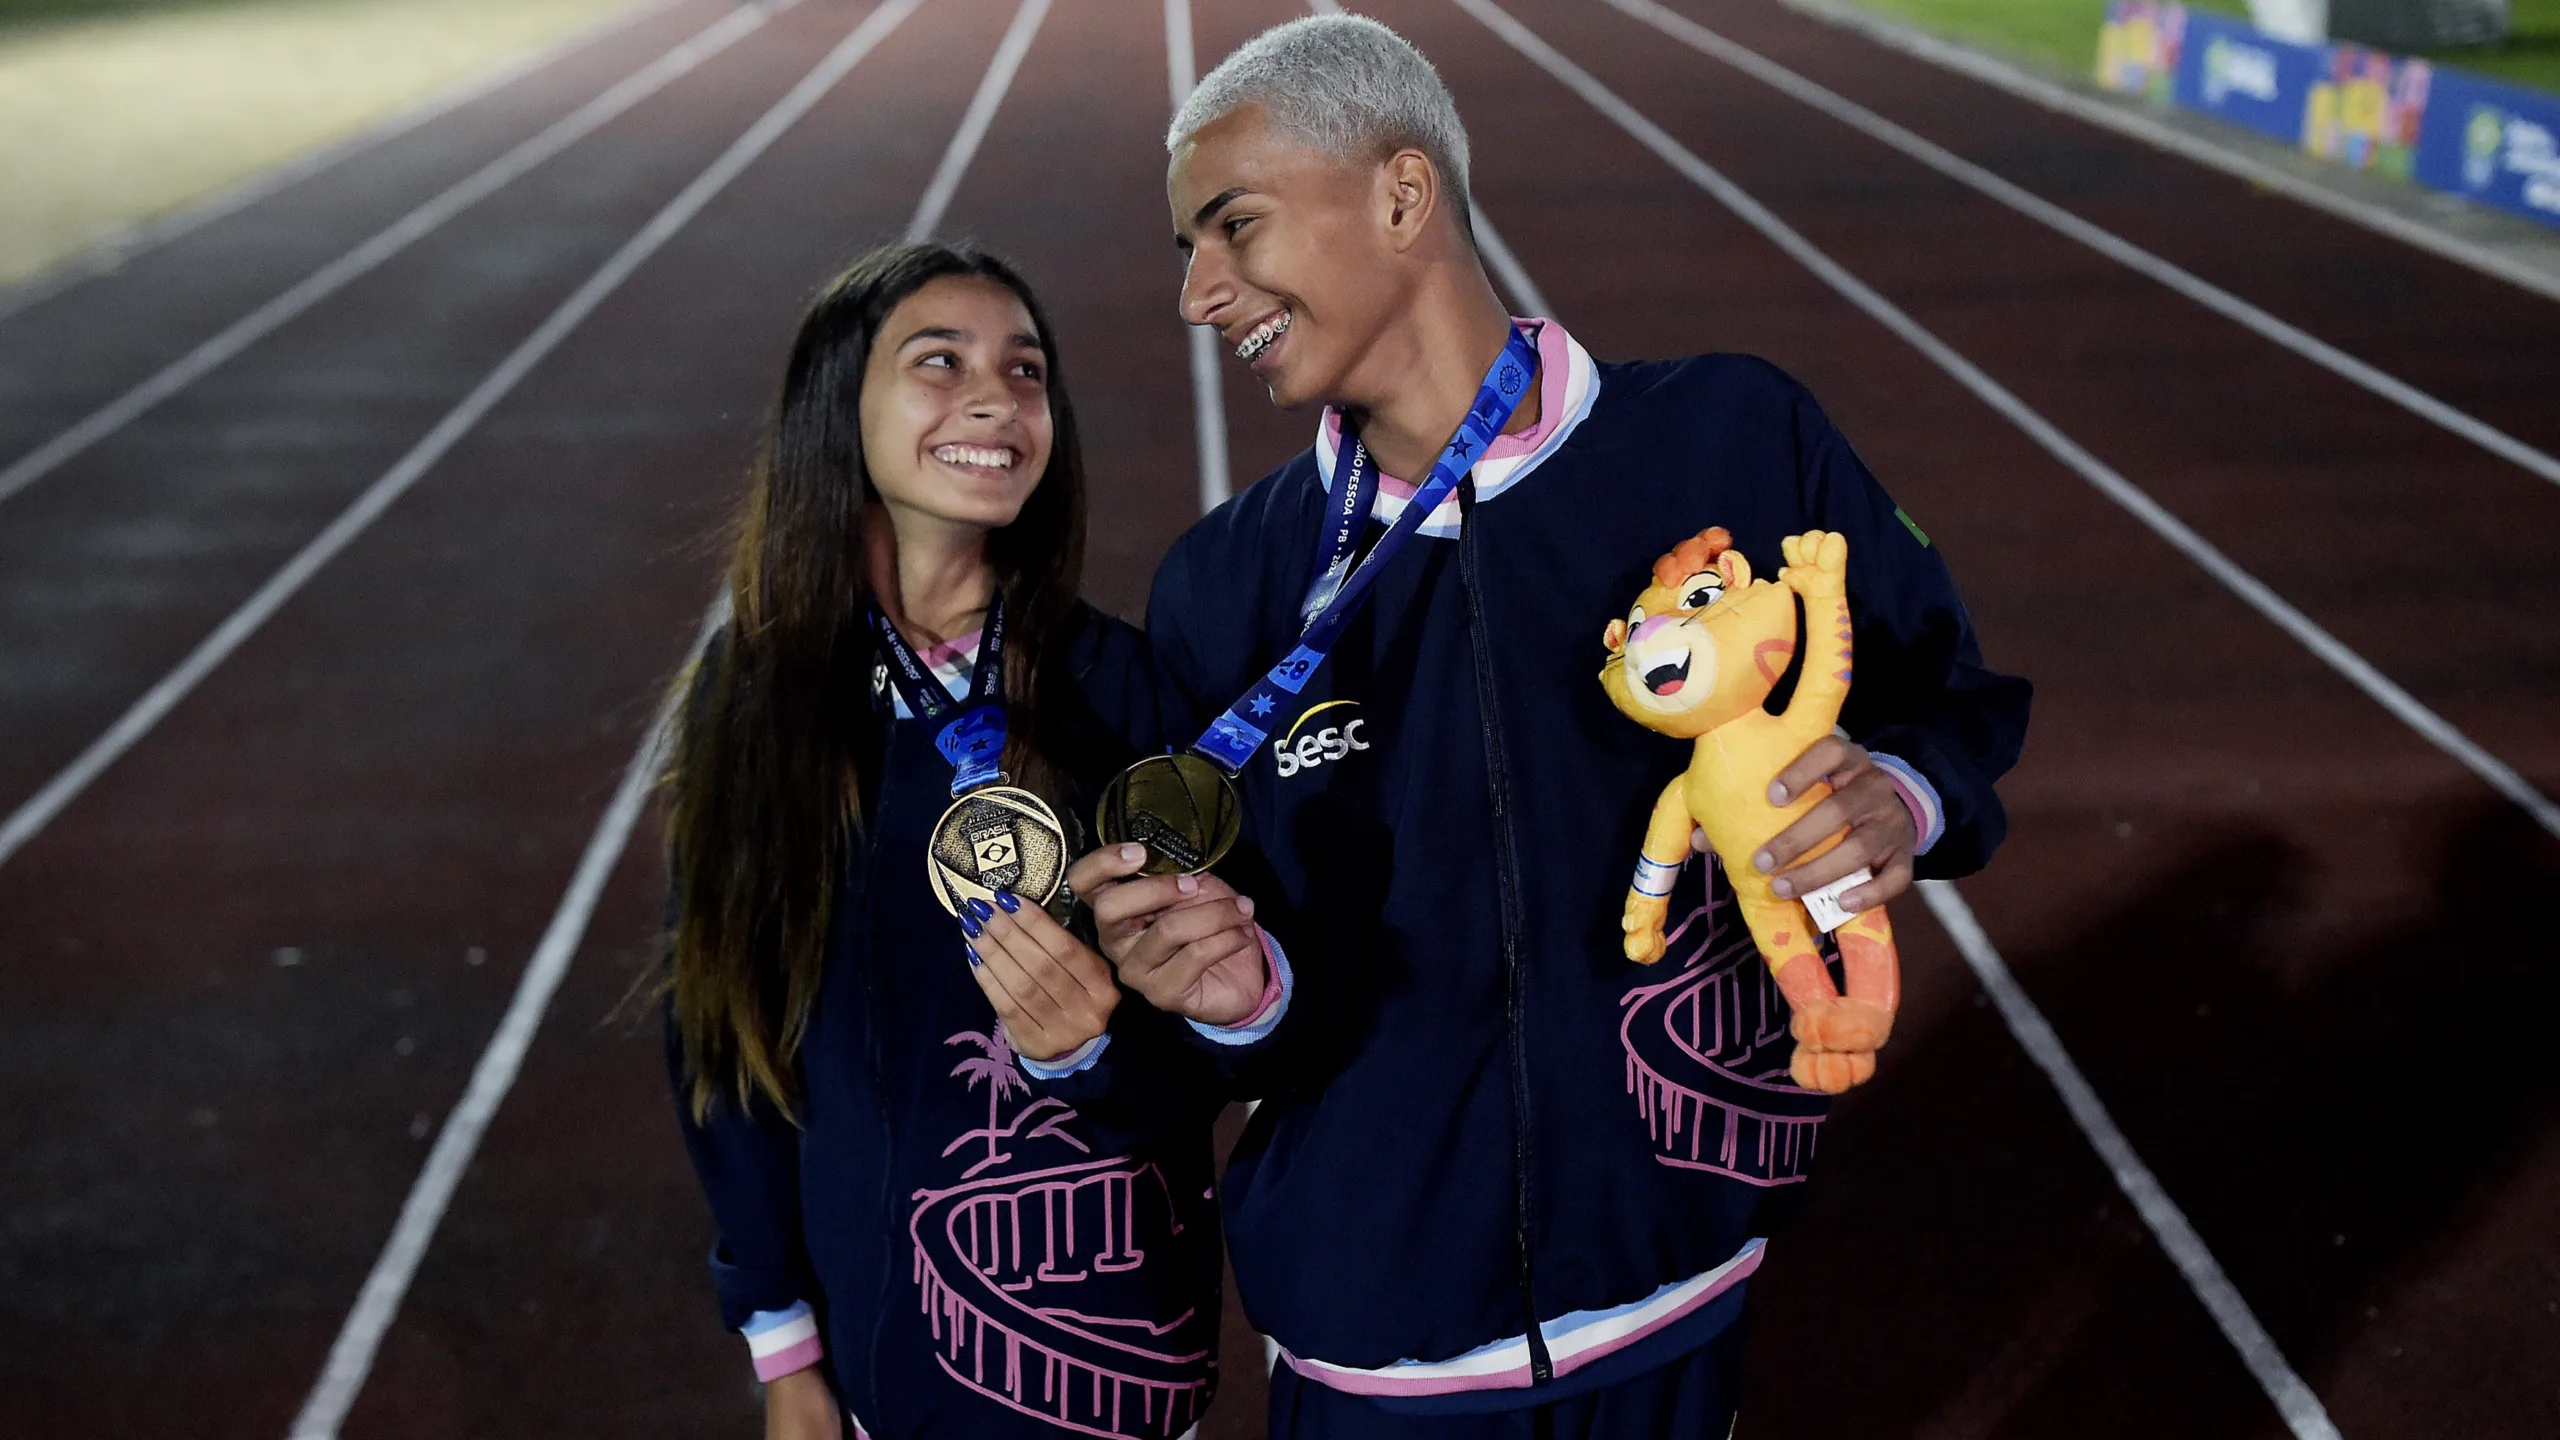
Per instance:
x=1208, y=395
x=1506, y=266
x=2294, y=1400
x=374, y=252
x=2106, y=242
x=2132, y=124
x=1209, y=419
x=235, y=630
x=2333, y=652
x=113, y=251
x=974, y=122
x=378, y=1303
x=360, y=1337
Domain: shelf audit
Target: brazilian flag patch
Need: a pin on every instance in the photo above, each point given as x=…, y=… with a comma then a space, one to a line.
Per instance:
x=1911, y=525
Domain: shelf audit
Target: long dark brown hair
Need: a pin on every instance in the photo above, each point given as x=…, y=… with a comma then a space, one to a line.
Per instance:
x=777, y=713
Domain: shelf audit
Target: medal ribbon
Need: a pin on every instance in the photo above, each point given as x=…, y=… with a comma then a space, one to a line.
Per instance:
x=974, y=741
x=1339, y=589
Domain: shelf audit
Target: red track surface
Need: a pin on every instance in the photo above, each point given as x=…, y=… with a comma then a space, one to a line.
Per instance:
x=2285, y=938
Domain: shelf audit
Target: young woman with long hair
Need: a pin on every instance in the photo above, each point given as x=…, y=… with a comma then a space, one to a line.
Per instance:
x=911, y=1233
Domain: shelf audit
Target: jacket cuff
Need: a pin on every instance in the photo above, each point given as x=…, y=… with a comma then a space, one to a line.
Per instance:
x=1059, y=1067
x=783, y=1342
x=1278, y=985
x=1928, y=812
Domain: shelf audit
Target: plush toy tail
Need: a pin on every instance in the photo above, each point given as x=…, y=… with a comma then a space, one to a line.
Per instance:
x=1837, y=1036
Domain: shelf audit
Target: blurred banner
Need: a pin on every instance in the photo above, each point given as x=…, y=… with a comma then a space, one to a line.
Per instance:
x=2233, y=72
x=2407, y=118
x=2492, y=143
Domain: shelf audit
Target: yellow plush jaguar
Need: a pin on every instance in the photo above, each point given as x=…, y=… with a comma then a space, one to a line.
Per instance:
x=1696, y=659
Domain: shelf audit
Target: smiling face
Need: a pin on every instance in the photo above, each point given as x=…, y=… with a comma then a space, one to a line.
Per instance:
x=1291, y=252
x=1704, y=643
x=955, y=404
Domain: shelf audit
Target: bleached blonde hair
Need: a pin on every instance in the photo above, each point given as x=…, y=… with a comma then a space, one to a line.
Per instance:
x=1343, y=84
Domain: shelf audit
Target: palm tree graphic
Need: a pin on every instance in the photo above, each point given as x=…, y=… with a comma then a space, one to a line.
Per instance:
x=993, y=1064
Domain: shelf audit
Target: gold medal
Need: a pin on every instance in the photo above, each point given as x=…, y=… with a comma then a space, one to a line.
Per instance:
x=999, y=837
x=1181, y=807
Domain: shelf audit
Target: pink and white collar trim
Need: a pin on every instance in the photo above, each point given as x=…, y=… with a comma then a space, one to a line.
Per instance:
x=1567, y=384
x=953, y=662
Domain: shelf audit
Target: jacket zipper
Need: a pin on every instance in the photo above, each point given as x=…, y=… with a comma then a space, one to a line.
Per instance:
x=1506, y=866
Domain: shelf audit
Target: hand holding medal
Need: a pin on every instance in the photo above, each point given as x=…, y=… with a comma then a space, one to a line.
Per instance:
x=1187, y=943
x=1051, y=991
x=1184, y=808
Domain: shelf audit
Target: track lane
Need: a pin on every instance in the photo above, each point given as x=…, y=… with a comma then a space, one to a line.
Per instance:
x=68, y=345
x=2443, y=327
x=383, y=245
x=117, y=568
x=2371, y=378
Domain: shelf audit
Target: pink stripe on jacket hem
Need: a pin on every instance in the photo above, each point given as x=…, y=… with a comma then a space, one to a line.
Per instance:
x=1516, y=1377
x=790, y=1360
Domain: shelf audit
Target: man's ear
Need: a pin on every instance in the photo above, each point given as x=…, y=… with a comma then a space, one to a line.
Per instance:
x=1412, y=188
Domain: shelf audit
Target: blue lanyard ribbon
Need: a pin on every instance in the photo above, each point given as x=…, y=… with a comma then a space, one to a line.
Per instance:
x=973, y=741
x=1340, y=589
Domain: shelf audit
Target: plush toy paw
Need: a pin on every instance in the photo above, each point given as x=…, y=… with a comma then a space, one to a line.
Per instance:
x=1817, y=564
x=1836, y=1043
x=1832, y=1072
x=1643, y=924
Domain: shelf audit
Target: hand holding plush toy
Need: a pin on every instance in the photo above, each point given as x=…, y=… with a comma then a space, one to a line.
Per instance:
x=1696, y=659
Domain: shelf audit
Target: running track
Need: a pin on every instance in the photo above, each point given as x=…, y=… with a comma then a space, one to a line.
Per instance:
x=248, y=968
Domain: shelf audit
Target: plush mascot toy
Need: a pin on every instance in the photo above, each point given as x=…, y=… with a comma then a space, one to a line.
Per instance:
x=1696, y=659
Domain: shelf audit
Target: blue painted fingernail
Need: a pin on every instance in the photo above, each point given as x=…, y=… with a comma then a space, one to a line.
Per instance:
x=981, y=908
x=1007, y=901
x=969, y=925
x=974, y=961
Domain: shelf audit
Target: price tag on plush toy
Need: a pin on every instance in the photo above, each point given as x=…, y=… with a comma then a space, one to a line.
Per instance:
x=1824, y=904
x=1696, y=658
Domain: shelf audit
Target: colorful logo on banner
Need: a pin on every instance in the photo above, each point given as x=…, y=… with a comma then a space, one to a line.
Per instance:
x=2138, y=48
x=2368, y=112
x=2493, y=143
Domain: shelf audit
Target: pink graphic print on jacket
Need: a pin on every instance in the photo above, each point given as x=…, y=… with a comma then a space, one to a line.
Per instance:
x=1012, y=1266
x=1707, y=1054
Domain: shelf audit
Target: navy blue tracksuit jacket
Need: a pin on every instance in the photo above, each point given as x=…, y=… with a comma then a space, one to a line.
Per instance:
x=1497, y=1164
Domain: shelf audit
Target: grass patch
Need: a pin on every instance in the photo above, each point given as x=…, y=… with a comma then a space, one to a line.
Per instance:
x=2058, y=32
x=2064, y=33
x=115, y=111
x=13, y=12
x=2530, y=55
